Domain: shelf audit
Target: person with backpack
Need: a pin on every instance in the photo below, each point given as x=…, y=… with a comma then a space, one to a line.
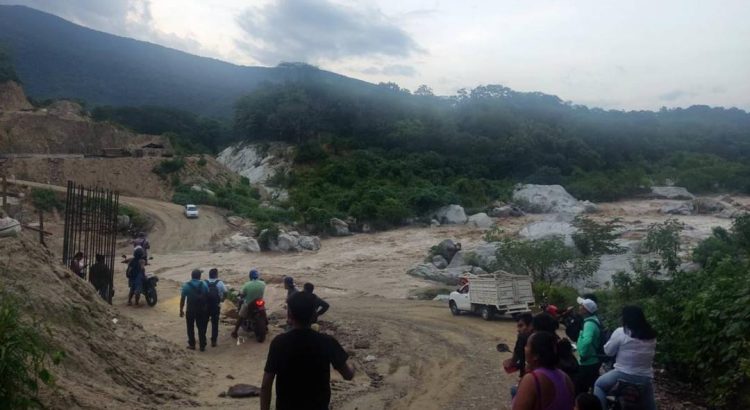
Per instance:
x=195, y=292
x=216, y=292
x=634, y=346
x=136, y=274
x=589, y=345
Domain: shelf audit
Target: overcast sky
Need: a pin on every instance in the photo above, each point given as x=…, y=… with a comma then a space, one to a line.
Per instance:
x=633, y=54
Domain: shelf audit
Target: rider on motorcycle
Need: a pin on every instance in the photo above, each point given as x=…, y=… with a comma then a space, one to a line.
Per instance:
x=251, y=291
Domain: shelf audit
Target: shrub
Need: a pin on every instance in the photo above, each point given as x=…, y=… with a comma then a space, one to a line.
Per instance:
x=267, y=233
x=558, y=295
x=664, y=239
x=24, y=358
x=547, y=260
x=202, y=161
x=138, y=221
x=46, y=200
x=169, y=166
x=593, y=238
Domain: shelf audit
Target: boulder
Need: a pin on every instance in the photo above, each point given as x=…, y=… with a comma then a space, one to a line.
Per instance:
x=447, y=248
x=340, y=228
x=485, y=255
x=439, y=262
x=548, y=229
x=506, y=211
x=199, y=188
x=589, y=207
x=681, y=208
x=236, y=221
x=480, y=220
x=123, y=222
x=546, y=199
x=458, y=260
x=670, y=192
x=310, y=243
x=229, y=310
x=239, y=391
x=730, y=213
x=451, y=214
x=287, y=243
x=9, y=227
x=434, y=222
x=708, y=206
x=428, y=271
x=241, y=242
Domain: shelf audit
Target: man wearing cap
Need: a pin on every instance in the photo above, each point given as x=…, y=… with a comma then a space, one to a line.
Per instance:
x=587, y=343
x=251, y=290
x=196, y=293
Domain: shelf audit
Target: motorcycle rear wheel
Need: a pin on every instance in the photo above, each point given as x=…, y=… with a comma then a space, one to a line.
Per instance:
x=151, y=297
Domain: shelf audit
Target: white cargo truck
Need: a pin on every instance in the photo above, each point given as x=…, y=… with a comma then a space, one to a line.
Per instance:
x=498, y=293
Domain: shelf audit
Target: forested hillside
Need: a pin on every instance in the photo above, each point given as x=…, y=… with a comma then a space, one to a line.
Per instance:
x=384, y=154
x=58, y=59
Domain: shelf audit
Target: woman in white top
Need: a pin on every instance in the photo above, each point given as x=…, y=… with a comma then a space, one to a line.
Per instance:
x=634, y=345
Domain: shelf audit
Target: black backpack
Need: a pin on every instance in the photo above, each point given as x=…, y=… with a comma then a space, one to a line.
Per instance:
x=197, y=300
x=213, y=293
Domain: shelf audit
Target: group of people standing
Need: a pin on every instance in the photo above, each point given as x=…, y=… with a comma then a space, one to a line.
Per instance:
x=552, y=378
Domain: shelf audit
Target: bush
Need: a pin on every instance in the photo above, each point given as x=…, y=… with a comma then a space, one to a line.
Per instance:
x=593, y=238
x=46, y=200
x=202, y=161
x=138, y=221
x=169, y=166
x=267, y=233
x=560, y=296
x=546, y=260
x=24, y=358
x=664, y=239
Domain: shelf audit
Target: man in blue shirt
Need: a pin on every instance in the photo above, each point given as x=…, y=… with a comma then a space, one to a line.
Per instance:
x=195, y=292
x=216, y=292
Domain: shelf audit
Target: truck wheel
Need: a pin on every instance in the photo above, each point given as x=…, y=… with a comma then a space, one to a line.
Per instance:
x=454, y=308
x=486, y=312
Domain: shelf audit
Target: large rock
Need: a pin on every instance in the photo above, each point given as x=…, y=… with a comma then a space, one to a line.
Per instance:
x=9, y=227
x=241, y=242
x=680, y=208
x=506, y=211
x=451, y=214
x=458, y=260
x=480, y=220
x=709, y=206
x=310, y=243
x=340, y=228
x=670, y=192
x=428, y=271
x=439, y=262
x=287, y=243
x=548, y=229
x=546, y=199
x=485, y=255
x=447, y=248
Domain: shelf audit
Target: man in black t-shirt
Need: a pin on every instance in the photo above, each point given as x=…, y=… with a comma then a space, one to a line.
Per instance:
x=300, y=361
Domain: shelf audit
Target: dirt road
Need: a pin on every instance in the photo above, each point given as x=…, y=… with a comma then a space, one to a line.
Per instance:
x=172, y=232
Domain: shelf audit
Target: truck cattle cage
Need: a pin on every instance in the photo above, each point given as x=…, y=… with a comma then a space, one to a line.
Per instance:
x=497, y=293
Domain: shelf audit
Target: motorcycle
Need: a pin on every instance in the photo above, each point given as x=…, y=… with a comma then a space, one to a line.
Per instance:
x=256, y=320
x=149, y=289
x=625, y=396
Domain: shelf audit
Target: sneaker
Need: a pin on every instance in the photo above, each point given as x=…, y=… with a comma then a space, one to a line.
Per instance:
x=191, y=347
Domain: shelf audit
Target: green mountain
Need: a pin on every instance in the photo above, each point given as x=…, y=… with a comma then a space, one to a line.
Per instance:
x=55, y=58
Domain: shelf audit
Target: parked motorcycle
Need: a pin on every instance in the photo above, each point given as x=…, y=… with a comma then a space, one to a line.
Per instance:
x=149, y=289
x=256, y=321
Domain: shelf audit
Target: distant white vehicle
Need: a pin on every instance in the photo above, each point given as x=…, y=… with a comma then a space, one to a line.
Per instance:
x=490, y=294
x=191, y=211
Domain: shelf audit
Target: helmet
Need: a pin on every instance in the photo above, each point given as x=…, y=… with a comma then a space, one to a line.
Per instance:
x=138, y=253
x=254, y=274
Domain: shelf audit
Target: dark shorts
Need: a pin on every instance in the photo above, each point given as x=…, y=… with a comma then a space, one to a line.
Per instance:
x=136, y=283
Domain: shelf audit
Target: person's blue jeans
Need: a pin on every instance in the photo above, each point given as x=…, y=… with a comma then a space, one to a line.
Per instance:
x=607, y=381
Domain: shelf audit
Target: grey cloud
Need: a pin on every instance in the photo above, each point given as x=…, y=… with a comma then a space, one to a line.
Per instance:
x=313, y=30
x=675, y=95
x=131, y=18
x=393, y=69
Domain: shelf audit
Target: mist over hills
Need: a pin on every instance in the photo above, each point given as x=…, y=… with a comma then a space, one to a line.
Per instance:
x=58, y=59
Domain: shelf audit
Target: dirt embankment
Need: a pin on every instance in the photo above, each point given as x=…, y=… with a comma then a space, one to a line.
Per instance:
x=111, y=361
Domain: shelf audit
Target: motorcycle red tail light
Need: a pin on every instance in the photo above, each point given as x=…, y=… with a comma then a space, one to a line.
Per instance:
x=260, y=303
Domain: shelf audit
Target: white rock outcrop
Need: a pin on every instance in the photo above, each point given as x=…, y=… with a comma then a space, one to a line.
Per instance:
x=670, y=192
x=545, y=199
x=548, y=229
x=9, y=227
x=480, y=220
x=451, y=214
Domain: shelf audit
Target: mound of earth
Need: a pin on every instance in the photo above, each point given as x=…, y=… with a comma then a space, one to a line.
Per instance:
x=111, y=362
